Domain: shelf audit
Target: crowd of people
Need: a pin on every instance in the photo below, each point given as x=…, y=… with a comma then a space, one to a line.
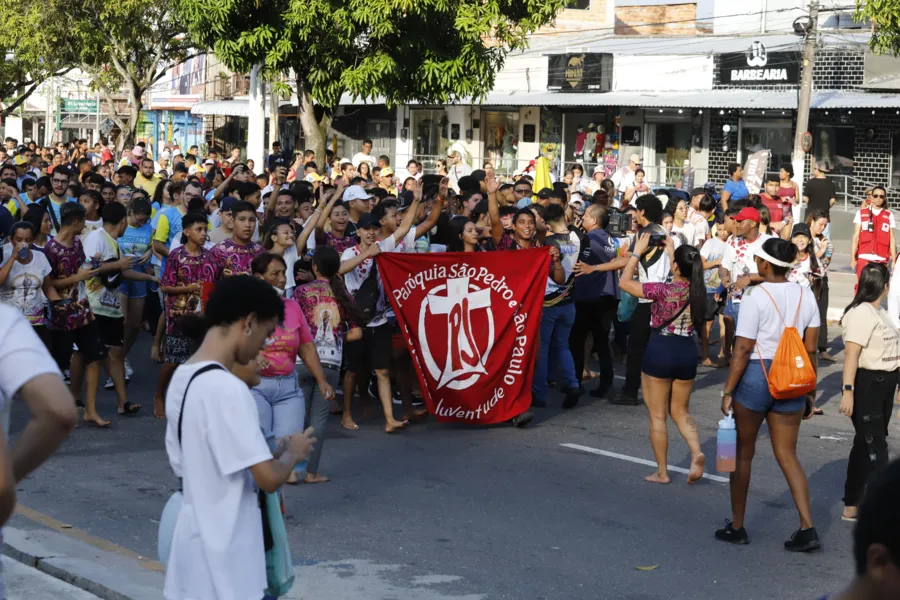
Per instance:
x=99, y=248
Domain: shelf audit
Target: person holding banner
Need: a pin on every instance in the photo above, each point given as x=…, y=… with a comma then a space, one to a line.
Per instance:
x=670, y=360
x=374, y=350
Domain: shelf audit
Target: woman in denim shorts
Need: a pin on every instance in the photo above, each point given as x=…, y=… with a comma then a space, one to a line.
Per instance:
x=766, y=309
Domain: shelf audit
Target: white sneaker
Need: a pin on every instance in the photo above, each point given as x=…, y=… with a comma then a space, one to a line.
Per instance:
x=128, y=370
x=109, y=385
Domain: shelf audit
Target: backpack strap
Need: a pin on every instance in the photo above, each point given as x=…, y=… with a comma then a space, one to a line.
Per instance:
x=201, y=371
x=46, y=203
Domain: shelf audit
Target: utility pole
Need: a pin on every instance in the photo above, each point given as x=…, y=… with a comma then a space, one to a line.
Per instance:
x=805, y=96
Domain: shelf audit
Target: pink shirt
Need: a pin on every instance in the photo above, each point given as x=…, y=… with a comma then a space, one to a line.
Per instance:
x=281, y=349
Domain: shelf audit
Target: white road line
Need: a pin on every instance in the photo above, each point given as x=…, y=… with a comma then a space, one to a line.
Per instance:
x=639, y=461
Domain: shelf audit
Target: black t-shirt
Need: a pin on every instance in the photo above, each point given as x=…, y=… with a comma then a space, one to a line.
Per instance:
x=820, y=192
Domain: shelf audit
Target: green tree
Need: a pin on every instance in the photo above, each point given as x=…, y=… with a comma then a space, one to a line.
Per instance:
x=120, y=44
x=885, y=16
x=433, y=51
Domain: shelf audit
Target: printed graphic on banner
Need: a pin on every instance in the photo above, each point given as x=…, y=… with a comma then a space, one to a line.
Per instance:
x=471, y=322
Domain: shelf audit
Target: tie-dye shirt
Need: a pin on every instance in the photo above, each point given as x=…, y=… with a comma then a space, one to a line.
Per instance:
x=74, y=311
x=227, y=259
x=280, y=353
x=182, y=269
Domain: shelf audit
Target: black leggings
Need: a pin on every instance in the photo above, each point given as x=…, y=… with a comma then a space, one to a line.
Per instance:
x=873, y=403
x=595, y=317
x=638, y=336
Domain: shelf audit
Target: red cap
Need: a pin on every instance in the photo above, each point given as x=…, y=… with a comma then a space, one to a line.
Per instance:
x=748, y=213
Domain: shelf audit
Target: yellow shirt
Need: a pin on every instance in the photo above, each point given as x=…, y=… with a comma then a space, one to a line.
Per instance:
x=148, y=185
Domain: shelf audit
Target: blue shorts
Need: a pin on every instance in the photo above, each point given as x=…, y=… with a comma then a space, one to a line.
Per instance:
x=134, y=289
x=752, y=392
x=731, y=310
x=670, y=357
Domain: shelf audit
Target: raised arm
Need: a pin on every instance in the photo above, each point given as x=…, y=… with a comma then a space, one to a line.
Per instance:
x=493, y=207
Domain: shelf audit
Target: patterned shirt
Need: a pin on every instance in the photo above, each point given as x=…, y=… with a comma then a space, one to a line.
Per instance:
x=227, y=259
x=668, y=298
x=182, y=269
x=327, y=322
x=74, y=311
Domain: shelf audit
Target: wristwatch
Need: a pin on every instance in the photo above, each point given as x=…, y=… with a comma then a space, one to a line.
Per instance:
x=723, y=393
x=848, y=387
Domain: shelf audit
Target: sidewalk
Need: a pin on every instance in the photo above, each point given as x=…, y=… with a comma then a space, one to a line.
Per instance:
x=27, y=583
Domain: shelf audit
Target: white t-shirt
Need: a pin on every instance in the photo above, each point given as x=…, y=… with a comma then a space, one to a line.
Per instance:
x=23, y=287
x=713, y=249
x=623, y=178
x=701, y=225
x=800, y=271
x=738, y=259
x=355, y=278
x=758, y=319
x=688, y=231
x=290, y=258
x=657, y=272
x=217, y=546
x=857, y=220
x=360, y=158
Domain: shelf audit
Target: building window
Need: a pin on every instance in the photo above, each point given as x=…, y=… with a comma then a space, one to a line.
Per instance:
x=775, y=135
x=501, y=140
x=430, y=135
x=834, y=145
x=579, y=4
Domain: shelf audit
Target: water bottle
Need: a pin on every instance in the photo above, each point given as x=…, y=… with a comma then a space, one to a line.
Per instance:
x=726, y=445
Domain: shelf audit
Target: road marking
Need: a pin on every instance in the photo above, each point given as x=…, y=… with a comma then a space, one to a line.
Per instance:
x=639, y=461
x=83, y=536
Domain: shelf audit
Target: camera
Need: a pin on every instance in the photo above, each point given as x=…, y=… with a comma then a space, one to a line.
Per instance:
x=657, y=240
x=620, y=223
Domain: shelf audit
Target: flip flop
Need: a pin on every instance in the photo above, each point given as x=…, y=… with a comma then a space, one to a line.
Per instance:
x=130, y=409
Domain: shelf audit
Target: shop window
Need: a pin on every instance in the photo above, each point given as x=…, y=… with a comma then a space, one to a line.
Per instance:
x=579, y=4
x=501, y=140
x=430, y=131
x=834, y=145
x=775, y=135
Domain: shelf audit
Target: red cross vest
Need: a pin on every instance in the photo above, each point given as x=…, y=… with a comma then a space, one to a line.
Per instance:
x=875, y=233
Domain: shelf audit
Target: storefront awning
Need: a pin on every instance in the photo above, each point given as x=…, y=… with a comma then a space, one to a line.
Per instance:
x=231, y=108
x=699, y=99
x=831, y=99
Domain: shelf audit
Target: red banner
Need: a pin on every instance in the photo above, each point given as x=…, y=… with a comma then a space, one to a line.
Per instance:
x=471, y=321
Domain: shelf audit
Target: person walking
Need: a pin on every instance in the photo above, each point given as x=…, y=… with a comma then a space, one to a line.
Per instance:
x=670, y=362
x=735, y=188
x=873, y=233
x=766, y=310
x=216, y=446
x=871, y=363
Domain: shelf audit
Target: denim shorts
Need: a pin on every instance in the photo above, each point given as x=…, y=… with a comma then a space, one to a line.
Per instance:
x=752, y=392
x=731, y=310
x=134, y=289
x=670, y=357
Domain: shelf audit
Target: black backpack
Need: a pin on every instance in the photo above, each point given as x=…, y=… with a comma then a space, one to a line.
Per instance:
x=367, y=296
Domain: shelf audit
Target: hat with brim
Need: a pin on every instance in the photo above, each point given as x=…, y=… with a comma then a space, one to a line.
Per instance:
x=761, y=253
x=368, y=221
x=801, y=229
x=748, y=213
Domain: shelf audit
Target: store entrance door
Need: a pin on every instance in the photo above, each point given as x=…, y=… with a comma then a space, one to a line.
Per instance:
x=667, y=152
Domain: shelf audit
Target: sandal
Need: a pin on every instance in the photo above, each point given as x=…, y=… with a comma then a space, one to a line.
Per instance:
x=130, y=409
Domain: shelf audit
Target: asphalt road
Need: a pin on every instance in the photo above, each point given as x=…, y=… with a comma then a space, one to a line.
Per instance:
x=448, y=512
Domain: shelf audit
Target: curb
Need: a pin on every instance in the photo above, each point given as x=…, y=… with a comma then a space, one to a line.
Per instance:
x=108, y=575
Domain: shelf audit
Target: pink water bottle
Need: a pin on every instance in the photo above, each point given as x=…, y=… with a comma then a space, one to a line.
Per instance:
x=726, y=445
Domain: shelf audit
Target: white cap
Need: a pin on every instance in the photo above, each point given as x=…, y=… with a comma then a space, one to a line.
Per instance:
x=177, y=152
x=209, y=162
x=636, y=159
x=355, y=192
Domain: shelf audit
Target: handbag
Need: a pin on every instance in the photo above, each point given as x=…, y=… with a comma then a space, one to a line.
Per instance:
x=279, y=565
x=172, y=509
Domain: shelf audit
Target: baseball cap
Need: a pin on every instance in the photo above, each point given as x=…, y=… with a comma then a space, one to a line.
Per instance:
x=405, y=200
x=355, y=192
x=209, y=162
x=801, y=229
x=177, y=152
x=748, y=213
x=20, y=160
x=636, y=159
x=137, y=151
x=821, y=165
x=368, y=221
x=313, y=177
x=227, y=204
x=387, y=172
x=544, y=194
x=598, y=169
x=165, y=154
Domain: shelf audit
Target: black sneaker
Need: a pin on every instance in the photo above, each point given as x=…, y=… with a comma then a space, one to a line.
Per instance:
x=623, y=399
x=603, y=389
x=522, y=420
x=803, y=540
x=571, y=398
x=732, y=535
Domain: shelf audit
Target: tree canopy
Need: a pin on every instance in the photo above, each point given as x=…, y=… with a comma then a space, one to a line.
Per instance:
x=434, y=51
x=885, y=16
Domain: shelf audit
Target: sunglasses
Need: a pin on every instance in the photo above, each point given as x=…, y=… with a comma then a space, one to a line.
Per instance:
x=879, y=196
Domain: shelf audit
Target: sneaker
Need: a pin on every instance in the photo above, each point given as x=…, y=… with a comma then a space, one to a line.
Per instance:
x=732, y=535
x=571, y=399
x=128, y=370
x=522, y=420
x=603, y=389
x=623, y=399
x=803, y=540
x=109, y=385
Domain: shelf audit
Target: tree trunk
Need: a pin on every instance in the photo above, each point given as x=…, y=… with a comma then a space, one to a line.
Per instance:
x=314, y=130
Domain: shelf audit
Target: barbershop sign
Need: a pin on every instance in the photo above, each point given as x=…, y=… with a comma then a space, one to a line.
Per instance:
x=758, y=66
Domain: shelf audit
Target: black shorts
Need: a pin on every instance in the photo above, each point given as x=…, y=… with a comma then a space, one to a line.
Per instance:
x=112, y=331
x=88, y=341
x=670, y=357
x=372, y=352
x=713, y=306
x=178, y=349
